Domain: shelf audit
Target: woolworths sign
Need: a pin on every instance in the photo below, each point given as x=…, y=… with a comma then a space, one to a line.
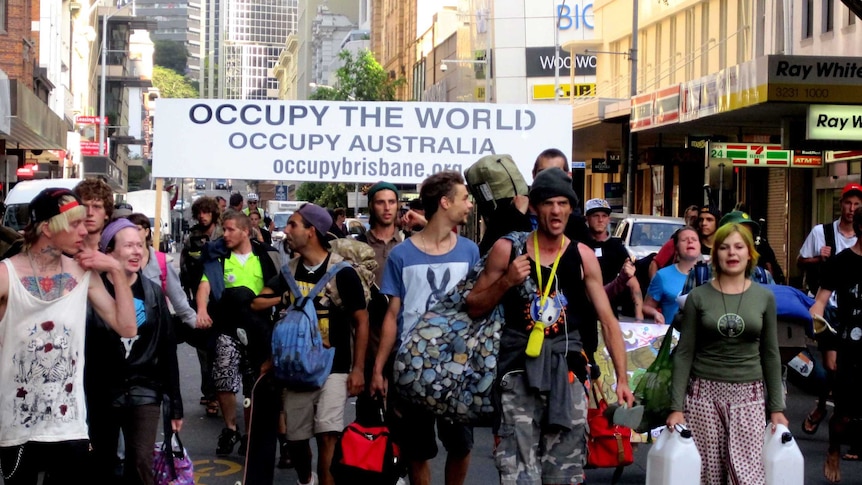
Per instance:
x=543, y=62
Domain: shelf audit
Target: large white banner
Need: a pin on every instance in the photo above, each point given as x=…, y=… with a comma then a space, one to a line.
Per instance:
x=323, y=141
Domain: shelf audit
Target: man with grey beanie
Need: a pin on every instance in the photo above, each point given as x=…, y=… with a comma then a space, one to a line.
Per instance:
x=551, y=295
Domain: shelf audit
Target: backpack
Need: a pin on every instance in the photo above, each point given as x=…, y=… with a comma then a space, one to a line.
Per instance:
x=493, y=181
x=359, y=255
x=191, y=266
x=812, y=271
x=298, y=355
x=365, y=452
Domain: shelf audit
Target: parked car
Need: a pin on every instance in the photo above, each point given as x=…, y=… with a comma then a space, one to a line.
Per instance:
x=222, y=184
x=356, y=227
x=643, y=235
x=200, y=184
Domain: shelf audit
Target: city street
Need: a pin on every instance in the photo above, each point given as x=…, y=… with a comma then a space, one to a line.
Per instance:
x=200, y=434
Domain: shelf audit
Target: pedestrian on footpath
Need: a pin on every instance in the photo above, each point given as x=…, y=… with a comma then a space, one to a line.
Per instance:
x=320, y=413
x=126, y=379
x=235, y=268
x=824, y=242
x=44, y=295
x=419, y=272
x=730, y=319
x=841, y=280
x=541, y=434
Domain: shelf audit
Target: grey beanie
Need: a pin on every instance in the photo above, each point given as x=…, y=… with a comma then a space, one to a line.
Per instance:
x=552, y=182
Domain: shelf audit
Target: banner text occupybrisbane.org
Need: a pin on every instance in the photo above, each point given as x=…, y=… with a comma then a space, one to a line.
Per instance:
x=332, y=169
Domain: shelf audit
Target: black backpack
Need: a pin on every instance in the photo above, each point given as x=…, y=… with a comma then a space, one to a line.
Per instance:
x=813, y=271
x=191, y=266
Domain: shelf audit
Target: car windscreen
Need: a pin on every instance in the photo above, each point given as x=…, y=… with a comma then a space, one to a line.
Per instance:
x=279, y=219
x=652, y=233
x=17, y=216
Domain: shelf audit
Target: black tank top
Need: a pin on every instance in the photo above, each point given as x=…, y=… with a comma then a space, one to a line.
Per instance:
x=577, y=315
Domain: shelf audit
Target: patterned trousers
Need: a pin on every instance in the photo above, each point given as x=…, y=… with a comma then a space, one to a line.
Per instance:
x=727, y=421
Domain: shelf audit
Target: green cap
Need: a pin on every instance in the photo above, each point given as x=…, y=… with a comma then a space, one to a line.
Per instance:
x=739, y=217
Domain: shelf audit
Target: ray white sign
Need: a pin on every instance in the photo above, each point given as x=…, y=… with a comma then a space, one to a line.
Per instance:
x=834, y=122
x=322, y=141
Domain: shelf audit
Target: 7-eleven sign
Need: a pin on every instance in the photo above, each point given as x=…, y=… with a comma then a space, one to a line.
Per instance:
x=751, y=154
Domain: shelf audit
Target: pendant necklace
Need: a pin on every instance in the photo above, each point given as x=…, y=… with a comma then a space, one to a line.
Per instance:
x=731, y=324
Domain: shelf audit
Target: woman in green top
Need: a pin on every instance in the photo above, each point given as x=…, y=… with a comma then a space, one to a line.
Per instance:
x=726, y=366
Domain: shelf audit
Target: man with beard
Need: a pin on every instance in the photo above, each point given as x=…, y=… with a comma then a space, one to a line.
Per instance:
x=97, y=197
x=206, y=211
x=551, y=296
x=383, y=236
x=235, y=269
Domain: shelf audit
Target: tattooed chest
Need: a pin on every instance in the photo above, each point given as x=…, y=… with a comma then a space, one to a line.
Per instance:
x=49, y=288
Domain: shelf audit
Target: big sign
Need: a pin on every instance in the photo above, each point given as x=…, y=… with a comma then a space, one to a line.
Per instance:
x=323, y=141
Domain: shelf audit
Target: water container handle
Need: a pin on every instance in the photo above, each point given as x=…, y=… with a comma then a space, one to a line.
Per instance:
x=682, y=430
x=786, y=437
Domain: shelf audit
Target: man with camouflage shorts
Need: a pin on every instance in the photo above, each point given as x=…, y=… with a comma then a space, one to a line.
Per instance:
x=551, y=297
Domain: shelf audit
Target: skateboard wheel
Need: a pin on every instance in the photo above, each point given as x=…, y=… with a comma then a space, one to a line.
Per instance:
x=246, y=403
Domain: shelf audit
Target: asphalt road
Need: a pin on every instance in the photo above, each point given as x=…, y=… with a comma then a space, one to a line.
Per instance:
x=200, y=434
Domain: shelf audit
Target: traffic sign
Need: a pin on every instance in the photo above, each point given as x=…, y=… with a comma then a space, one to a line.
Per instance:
x=281, y=192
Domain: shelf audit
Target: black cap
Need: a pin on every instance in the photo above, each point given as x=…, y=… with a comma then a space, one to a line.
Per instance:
x=46, y=204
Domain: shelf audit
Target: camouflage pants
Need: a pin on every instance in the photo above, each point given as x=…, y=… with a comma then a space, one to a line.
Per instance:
x=528, y=453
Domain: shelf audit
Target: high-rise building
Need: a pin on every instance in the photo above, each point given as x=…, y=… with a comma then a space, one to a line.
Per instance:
x=234, y=44
x=328, y=32
x=172, y=18
x=307, y=12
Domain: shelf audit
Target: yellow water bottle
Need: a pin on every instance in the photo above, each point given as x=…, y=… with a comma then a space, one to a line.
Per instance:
x=537, y=337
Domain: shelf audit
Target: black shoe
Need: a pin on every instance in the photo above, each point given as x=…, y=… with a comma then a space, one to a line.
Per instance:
x=284, y=461
x=243, y=445
x=226, y=441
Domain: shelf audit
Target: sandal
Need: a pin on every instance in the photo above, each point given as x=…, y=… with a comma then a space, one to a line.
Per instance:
x=813, y=420
x=212, y=409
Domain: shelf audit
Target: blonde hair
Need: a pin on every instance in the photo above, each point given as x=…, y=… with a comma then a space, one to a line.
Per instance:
x=59, y=223
x=722, y=234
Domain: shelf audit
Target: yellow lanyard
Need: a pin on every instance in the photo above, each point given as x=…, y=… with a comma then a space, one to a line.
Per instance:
x=539, y=269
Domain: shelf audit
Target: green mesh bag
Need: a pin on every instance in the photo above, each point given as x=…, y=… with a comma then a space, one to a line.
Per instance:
x=653, y=390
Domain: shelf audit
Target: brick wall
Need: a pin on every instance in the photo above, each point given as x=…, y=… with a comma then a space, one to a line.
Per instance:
x=16, y=56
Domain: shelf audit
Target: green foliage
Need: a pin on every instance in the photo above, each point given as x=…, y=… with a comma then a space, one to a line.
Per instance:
x=334, y=195
x=361, y=78
x=171, y=84
x=310, y=191
x=172, y=55
x=323, y=194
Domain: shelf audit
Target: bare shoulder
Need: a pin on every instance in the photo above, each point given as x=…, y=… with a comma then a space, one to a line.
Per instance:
x=72, y=267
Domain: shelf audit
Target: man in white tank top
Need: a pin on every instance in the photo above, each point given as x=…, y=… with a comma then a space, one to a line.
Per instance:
x=43, y=303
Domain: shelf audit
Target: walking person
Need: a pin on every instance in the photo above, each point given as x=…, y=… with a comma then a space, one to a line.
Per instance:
x=319, y=413
x=841, y=280
x=541, y=433
x=418, y=273
x=43, y=307
x=126, y=379
x=661, y=302
x=730, y=319
x=824, y=242
x=235, y=269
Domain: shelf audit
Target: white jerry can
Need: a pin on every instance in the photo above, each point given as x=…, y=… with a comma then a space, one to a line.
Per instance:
x=782, y=459
x=673, y=459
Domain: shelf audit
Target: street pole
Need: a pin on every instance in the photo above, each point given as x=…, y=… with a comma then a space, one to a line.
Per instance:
x=102, y=121
x=633, y=137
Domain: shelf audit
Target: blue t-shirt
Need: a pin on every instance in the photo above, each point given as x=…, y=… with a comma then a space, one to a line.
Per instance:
x=665, y=286
x=421, y=280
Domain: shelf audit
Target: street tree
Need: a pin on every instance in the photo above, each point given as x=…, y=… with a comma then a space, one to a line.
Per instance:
x=360, y=78
x=171, y=54
x=172, y=85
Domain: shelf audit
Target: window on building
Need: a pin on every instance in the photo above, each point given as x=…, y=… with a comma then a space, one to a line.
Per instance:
x=828, y=15
x=3, y=15
x=808, y=20
x=851, y=17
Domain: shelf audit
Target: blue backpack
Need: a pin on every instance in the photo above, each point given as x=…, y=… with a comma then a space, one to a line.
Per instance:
x=298, y=355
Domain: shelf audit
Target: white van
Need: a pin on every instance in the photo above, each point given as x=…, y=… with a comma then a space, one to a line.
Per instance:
x=17, y=213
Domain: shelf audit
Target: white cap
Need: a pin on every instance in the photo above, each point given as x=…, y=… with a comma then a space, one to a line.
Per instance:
x=251, y=196
x=597, y=205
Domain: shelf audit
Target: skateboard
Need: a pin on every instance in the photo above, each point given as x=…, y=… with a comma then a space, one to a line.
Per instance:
x=260, y=456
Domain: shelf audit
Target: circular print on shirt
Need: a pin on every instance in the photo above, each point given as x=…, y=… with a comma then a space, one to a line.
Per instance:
x=856, y=333
x=731, y=325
